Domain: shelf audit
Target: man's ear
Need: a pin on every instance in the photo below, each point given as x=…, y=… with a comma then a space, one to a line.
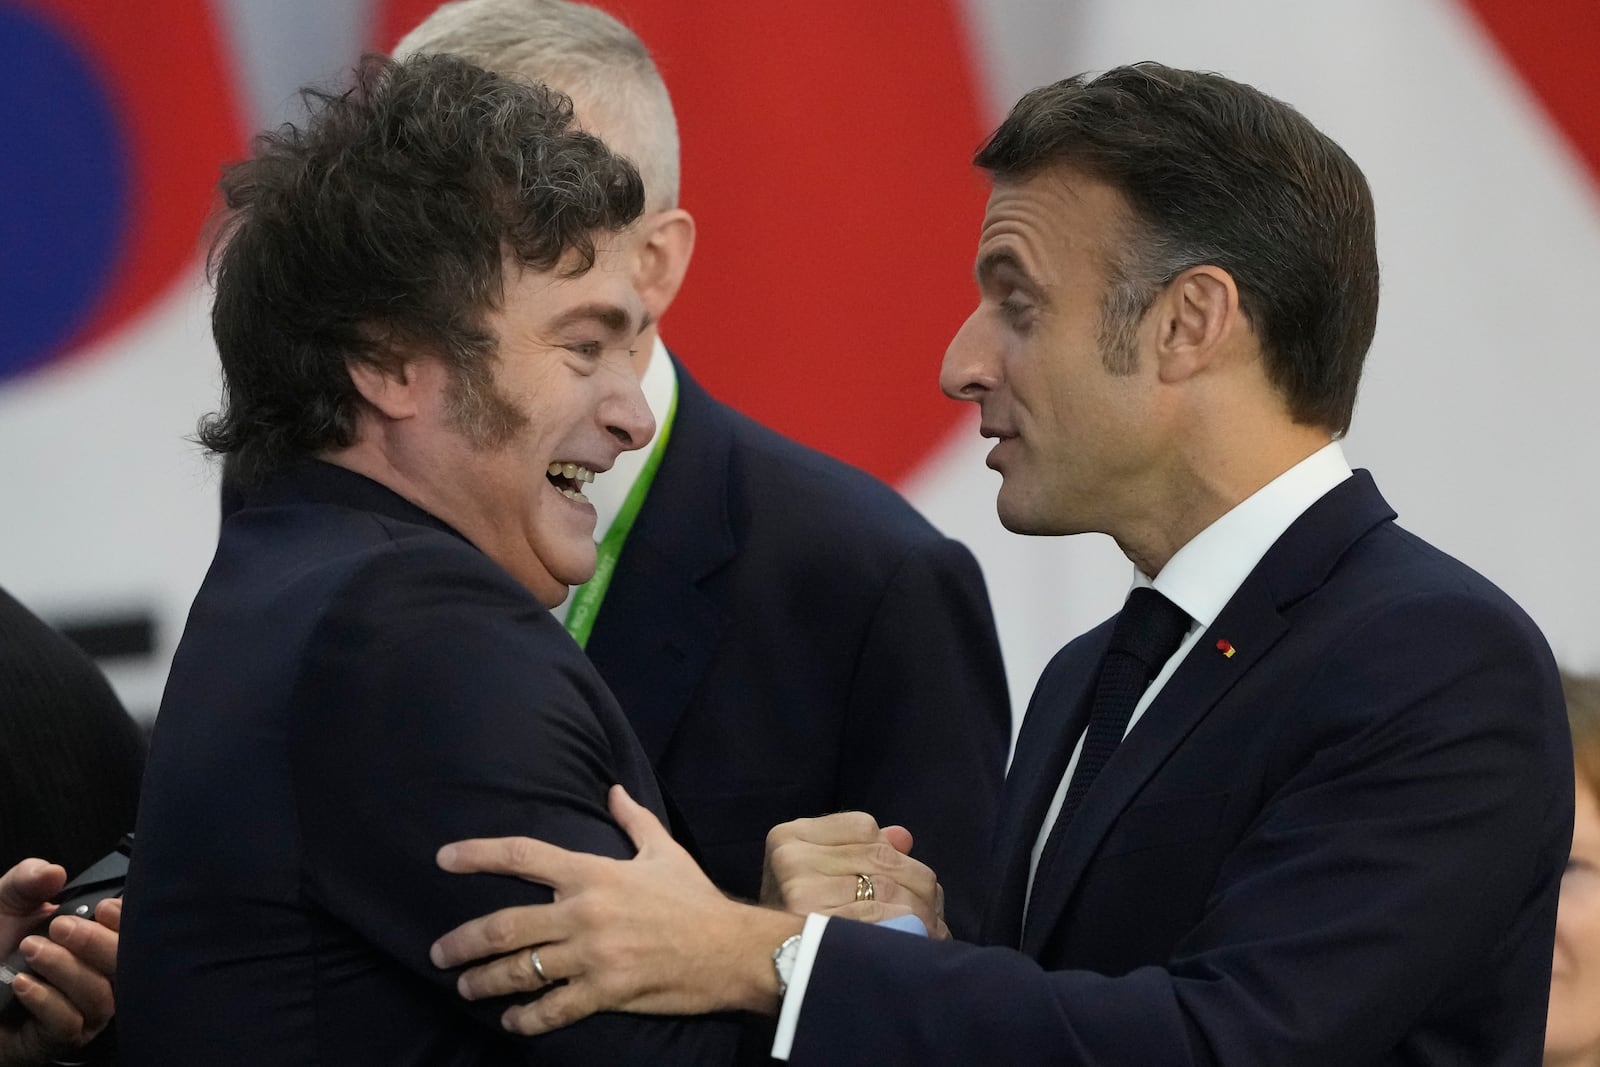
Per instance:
x=392, y=388
x=1198, y=316
x=665, y=248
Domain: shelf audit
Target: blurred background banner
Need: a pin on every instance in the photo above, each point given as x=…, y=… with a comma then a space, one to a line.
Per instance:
x=826, y=151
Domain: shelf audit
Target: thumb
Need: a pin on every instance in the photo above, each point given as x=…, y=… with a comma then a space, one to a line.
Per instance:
x=899, y=837
x=637, y=821
x=25, y=887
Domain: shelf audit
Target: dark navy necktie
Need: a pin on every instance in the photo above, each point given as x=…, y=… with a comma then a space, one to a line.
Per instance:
x=1146, y=634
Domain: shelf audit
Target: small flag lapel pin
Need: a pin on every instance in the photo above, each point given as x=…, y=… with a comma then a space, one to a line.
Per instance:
x=1226, y=648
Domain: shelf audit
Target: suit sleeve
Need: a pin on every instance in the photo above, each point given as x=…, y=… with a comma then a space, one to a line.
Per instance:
x=930, y=721
x=440, y=704
x=1414, y=826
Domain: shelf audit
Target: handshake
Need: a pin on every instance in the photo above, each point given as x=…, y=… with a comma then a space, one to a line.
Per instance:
x=653, y=935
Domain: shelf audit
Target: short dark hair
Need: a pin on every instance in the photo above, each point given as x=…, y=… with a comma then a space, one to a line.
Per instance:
x=1216, y=172
x=379, y=228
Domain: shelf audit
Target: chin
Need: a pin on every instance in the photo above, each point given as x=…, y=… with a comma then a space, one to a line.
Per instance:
x=1022, y=520
x=575, y=568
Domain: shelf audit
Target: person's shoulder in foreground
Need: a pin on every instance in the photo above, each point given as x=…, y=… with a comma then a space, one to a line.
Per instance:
x=71, y=758
x=420, y=340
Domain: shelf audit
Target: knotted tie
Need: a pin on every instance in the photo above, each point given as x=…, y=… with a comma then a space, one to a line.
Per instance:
x=1146, y=634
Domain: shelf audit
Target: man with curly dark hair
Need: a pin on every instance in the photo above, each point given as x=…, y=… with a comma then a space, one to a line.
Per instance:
x=424, y=333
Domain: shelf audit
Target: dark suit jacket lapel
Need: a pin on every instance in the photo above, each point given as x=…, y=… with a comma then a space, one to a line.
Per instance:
x=656, y=629
x=1252, y=622
x=1057, y=714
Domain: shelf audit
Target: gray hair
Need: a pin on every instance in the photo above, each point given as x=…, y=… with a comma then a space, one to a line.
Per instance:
x=586, y=54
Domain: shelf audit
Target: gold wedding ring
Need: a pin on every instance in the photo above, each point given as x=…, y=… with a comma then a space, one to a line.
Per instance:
x=864, y=890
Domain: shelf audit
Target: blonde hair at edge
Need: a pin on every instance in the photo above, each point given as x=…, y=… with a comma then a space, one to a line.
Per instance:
x=1572, y=1036
x=581, y=51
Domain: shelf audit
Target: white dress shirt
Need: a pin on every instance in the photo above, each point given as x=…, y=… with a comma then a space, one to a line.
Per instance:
x=1200, y=578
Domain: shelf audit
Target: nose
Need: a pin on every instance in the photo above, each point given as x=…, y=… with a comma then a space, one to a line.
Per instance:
x=968, y=371
x=627, y=417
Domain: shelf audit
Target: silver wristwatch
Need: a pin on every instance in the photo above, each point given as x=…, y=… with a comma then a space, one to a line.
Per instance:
x=783, y=958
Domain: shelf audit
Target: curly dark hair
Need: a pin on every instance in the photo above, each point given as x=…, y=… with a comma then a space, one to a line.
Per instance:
x=379, y=228
x=1220, y=173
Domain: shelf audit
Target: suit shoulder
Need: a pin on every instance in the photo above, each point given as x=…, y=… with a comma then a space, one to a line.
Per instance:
x=387, y=577
x=808, y=485
x=1393, y=572
x=430, y=622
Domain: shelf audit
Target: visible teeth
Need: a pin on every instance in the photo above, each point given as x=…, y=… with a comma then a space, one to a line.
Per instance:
x=573, y=494
x=571, y=471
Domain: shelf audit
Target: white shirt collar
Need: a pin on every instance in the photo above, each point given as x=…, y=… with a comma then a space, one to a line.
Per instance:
x=1203, y=575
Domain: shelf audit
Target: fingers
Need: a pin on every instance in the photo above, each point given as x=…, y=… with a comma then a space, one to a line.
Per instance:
x=108, y=913
x=637, y=821
x=899, y=839
x=524, y=857
x=840, y=828
x=81, y=1001
x=560, y=1007
x=500, y=932
x=26, y=886
x=797, y=857
x=799, y=868
x=57, y=1024
x=91, y=942
x=515, y=973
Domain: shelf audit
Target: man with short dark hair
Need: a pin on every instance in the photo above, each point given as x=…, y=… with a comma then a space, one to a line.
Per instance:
x=424, y=328
x=1305, y=800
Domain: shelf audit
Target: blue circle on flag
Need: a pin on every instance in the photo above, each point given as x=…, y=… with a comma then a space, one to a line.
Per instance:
x=63, y=190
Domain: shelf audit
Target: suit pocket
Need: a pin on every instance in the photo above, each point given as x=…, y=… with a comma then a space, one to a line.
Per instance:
x=1159, y=823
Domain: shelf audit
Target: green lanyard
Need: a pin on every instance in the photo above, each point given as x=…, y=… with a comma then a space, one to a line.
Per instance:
x=586, y=598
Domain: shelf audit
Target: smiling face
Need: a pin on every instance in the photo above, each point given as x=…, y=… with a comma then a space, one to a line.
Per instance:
x=1572, y=1033
x=1075, y=446
x=565, y=404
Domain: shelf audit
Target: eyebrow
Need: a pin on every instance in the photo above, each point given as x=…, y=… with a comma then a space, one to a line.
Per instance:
x=997, y=260
x=612, y=317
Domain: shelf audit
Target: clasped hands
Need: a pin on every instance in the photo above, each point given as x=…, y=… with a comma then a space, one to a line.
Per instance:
x=71, y=1000
x=652, y=934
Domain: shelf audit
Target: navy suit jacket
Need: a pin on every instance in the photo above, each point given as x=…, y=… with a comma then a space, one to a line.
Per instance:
x=790, y=638
x=358, y=685
x=1342, y=845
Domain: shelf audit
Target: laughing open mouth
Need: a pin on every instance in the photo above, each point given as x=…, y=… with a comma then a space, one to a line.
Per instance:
x=570, y=478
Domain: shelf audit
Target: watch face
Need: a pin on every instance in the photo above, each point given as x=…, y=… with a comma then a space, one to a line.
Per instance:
x=783, y=959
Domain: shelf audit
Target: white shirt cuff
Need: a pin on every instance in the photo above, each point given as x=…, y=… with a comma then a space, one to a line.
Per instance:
x=789, y=1013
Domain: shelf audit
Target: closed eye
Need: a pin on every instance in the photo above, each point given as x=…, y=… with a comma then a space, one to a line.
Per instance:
x=1018, y=313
